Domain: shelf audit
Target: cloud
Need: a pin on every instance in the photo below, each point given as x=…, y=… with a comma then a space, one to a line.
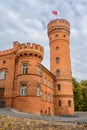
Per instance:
x=26, y=21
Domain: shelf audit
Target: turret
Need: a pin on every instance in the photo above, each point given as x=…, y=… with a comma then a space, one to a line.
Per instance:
x=60, y=65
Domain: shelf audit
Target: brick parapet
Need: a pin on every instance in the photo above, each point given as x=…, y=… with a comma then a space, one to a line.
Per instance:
x=58, y=25
x=22, y=48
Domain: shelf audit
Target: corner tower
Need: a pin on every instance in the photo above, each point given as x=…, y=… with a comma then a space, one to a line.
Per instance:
x=60, y=66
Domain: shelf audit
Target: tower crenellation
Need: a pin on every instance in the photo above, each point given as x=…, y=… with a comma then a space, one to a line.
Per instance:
x=58, y=25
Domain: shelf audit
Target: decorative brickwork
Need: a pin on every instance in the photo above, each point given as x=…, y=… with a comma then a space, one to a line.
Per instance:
x=28, y=86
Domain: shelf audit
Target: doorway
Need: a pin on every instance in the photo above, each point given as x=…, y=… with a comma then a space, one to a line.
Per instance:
x=2, y=100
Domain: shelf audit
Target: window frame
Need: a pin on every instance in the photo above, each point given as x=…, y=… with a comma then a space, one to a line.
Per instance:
x=2, y=74
x=24, y=68
x=38, y=90
x=23, y=90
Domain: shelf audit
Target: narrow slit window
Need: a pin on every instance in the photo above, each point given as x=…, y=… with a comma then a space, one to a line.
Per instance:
x=57, y=60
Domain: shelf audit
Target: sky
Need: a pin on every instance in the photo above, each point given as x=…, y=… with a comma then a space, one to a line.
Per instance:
x=26, y=21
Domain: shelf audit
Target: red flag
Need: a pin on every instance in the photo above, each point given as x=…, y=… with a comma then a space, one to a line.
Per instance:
x=55, y=12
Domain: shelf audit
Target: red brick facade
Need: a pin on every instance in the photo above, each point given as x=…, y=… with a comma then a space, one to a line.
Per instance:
x=26, y=85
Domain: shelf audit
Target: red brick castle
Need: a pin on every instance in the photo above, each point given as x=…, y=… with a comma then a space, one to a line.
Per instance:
x=27, y=86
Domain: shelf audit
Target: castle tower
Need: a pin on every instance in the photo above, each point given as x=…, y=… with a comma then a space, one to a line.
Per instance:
x=27, y=76
x=60, y=66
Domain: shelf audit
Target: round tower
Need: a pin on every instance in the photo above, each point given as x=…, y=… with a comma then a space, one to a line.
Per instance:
x=27, y=77
x=60, y=65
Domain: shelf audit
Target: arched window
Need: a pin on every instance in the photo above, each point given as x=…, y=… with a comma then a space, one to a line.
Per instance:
x=3, y=74
x=57, y=73
x=57, y=60
x=64, y=35
x=56, y=35
x=57, y=48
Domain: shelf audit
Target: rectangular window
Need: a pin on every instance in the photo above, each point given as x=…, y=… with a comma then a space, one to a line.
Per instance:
x=59, y=103
x=69, y=103
x=52, y=98
x=49, y=97
x=23, y=90
x=38, y=90
x=2, y=92
x=59, y=87
x=45, y=96
x=39, y=70
x=24, y=68
x=3, y=74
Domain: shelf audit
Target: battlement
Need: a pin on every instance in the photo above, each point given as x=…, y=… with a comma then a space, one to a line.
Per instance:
x=30, y=46
x=58, y=25
x=22, y=48
x=29, y=50
x=6, y=52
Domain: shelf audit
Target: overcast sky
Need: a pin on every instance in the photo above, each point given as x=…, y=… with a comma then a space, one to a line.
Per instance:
x=26, y=21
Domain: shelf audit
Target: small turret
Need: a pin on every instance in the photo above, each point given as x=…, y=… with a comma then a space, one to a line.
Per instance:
x=30, y=50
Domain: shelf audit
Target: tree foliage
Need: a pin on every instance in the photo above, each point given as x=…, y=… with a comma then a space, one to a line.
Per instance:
x=80, y=95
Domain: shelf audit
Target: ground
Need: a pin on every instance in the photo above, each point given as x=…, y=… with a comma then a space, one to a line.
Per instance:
x=14, y=120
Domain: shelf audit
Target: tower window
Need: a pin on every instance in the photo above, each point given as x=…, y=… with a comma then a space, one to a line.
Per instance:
x=59, y=103
x=64, y=35
x=57, y=48
x=69, y=103
x=23, y=90
x=59, y=87
x=56, y=35
x=57, y=60
x=50, y=38
x=24, y=68
x=57, y=73
x=4, y=62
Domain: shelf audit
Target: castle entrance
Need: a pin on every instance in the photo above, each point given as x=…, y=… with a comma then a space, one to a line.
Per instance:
x=2, y=101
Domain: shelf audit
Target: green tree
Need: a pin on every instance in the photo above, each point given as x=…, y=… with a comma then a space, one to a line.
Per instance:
x=78, y=98
x=84, y=94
